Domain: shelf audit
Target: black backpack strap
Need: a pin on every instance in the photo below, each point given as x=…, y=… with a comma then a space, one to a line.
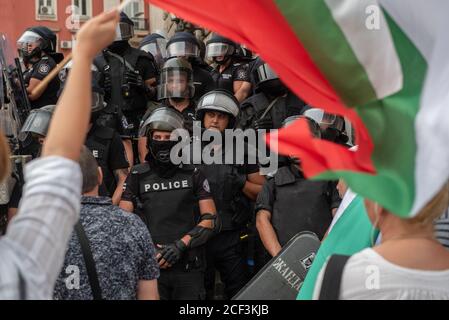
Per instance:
x=89, y=261
x=330, y=286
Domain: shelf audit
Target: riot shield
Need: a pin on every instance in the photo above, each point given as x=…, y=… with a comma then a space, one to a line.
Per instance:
x=15, y=104
x=282, y=277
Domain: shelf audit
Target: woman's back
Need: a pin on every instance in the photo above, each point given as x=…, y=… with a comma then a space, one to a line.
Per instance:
x=412, y=270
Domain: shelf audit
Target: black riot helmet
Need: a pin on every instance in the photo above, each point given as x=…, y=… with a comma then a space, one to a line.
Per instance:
x=313, y=125
x=125, y=28
x=37, y=122
x=331, y=125
x=156, y=45
x=243, y=54
x=267, y=81
x=176, y=80
x=36, y=40
x=314, y=130
x=218, y=47
x=221, y=101
x=161, y=119
x=98, y=93
x=183, y=44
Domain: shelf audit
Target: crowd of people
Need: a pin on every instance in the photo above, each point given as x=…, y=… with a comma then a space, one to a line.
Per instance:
x=106, y=213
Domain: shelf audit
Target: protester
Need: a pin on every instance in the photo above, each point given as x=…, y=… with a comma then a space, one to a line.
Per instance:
x=33, y=249
x=123, y=252
x=389, y=270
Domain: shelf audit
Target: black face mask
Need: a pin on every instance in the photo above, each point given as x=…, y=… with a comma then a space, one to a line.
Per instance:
x=222, y=62
x=178, y=100
x=160, y=151
x=330, y=135
x=119, y=46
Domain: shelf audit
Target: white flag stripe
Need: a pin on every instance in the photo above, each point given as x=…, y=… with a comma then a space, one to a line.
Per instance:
x=426, y=24
x=383, y=68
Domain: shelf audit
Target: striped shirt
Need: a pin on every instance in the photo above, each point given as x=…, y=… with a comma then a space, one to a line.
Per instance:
x=34, y=246
x=442, y=229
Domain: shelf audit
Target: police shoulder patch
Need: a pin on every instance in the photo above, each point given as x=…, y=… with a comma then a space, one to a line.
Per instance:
x=44, y=68
x=206, y=186
x=241, y=74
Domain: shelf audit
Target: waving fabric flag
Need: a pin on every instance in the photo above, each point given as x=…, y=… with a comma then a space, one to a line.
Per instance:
x=383, y=64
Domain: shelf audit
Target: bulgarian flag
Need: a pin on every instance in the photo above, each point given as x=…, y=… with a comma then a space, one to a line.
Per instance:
x=382, y=64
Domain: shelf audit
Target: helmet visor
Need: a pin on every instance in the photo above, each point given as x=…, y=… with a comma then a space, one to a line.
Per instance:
x=265, y=73
x=320, y=116
x=161, y=119
x=29, y=40
x=124, y=31
x=183, y=49
x=37, y=122
x=156, y=48
x=218, y=49
x=175, y=84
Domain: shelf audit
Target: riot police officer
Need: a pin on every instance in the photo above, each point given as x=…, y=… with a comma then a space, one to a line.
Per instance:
x=107, y=148
x=289, y=203
x=156, y=45
x=332, y=126
x=272, y=103
x=186, y=45
x=36, y=125
x=37, y=48
x=129, y=79
x=233, y=186
x=168, y=197
x=107, y=116
x=175, y=91
x=228, y=75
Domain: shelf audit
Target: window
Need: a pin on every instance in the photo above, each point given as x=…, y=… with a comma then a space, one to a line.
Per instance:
x=83, y=8
x=46, y=10
x=136, y=12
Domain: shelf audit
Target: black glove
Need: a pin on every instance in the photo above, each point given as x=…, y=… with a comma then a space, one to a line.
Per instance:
x=107, y=82
x=263, y=124
x=173, y=252
x=134, y=79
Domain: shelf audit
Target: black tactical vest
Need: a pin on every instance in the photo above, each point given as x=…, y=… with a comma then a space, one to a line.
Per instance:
x=117, y=66
x=168, y=203
x=224, y=80
x=254, y=107
x=99, y=141
x=300, y=205
x=227, y=201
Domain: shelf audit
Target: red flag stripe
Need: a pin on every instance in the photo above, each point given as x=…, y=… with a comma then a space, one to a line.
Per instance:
x=260, y=26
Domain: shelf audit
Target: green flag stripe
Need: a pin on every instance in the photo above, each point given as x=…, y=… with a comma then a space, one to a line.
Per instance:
x=391, y=123
x=304, y=16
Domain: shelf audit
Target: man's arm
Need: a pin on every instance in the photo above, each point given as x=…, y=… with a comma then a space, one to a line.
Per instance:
x=119, y=164
x=37, y=237
x=207, y=206
x=242, y=89
x=68, y=127
x=33, y=84
x=120, y=178
x=267, y=234
x=129, y=193
x=147, y=290
x=253, y=185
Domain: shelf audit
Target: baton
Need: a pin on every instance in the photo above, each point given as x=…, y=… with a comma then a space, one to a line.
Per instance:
x=44, y=83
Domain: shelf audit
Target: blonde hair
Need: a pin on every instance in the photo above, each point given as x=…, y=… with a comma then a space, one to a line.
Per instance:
x=434, y=208
x=5, y=162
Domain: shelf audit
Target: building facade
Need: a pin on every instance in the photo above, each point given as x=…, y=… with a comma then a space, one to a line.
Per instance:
x=65, y=17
